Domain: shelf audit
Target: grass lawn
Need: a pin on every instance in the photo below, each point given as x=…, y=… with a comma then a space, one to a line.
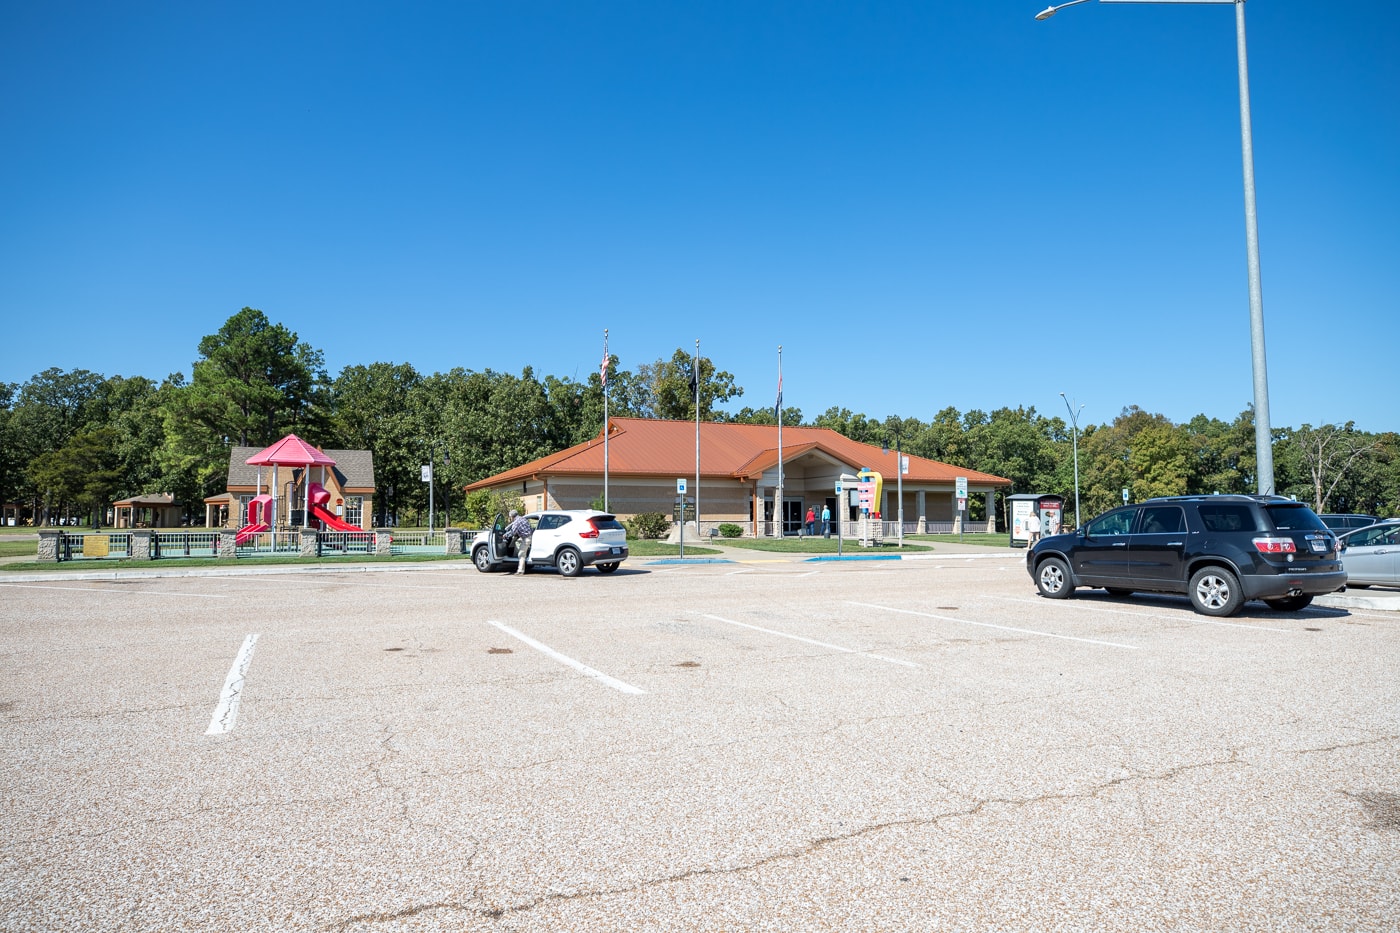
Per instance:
x=210, y=563
x=982, y=539
x=817, y=545
x=644, y=548
x=18, y=547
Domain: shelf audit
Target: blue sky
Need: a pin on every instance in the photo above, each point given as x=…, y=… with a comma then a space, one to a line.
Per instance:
x=925, y=203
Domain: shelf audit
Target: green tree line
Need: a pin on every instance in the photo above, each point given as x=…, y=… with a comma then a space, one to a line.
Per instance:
x=71, y=442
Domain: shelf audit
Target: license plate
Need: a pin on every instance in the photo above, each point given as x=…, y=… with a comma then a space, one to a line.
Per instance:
x=1319, y=546
x=617, y=550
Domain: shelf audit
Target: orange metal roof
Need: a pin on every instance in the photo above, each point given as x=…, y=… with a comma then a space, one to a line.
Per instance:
x=643, y=447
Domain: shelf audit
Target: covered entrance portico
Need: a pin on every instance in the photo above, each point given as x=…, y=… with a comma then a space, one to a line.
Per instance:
x=810, y=474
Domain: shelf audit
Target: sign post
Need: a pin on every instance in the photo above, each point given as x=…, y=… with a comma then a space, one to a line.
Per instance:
x=680, y=501
x=837, y=516
x=961, y=482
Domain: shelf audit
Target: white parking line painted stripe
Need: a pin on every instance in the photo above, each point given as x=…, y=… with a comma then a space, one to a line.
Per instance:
x=226, y=713
x=568, y=661
x=1150, y=615
x=811, y=641
x=1004, y=628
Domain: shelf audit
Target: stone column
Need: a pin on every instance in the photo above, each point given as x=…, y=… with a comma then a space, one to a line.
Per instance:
x=383, y=542
x=228, y=544
x=310, y=543
x=991, y=501
x=921, y=506
x=141, y=544
x=49, y=542
x=455, y=540
x=957, y=516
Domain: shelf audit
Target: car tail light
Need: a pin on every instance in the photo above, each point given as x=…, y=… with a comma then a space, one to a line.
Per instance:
x=590, y=532
x=1275, y=545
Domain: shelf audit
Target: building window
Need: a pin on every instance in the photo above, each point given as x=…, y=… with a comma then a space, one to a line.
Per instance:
x=242, y=515
x=354, y=510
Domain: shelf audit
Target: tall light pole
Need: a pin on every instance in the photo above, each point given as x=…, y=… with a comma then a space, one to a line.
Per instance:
x=1074, y=421
x=1263, y=430
x=899, y=483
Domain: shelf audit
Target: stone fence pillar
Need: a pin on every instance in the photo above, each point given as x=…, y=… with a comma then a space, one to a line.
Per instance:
x=310, y=543
x=383, y=542
x=49, y=542
x=141, y=541
x=456, y=540
x=228, y=544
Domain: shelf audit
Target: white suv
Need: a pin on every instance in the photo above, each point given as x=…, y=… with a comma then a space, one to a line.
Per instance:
x=567, y=539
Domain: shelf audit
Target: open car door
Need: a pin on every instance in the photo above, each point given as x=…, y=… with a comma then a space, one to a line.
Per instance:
x=497, y=540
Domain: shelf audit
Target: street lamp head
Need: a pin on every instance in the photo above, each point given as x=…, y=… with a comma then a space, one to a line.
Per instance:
x=1045, y=13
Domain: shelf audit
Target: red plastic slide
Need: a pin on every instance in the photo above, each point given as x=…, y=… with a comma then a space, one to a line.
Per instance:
x=333, y=523
x=248, y=531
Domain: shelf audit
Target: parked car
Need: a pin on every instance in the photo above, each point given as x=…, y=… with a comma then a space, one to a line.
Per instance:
x=1371, y=555
x=1221, y=551
x=567, y=540
x=1345, y=521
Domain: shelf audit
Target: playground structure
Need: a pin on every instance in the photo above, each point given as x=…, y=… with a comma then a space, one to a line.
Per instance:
x=259, y=519
x=267, y=511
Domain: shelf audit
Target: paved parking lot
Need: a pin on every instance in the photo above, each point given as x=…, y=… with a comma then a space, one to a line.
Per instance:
x=769, y=745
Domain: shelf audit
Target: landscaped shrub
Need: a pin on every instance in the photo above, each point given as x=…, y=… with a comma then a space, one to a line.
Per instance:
x=731, y=530
x=649, y=525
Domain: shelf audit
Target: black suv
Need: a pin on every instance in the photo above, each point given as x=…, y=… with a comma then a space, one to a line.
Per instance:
x=1219, y=550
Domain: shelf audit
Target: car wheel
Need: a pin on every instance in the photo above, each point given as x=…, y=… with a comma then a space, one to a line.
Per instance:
x=1290, y=603
x=609, y=567
x=1118, y=591
x=482, y=560
x=1052, y=579
x=569, y=562
x=1215, y=591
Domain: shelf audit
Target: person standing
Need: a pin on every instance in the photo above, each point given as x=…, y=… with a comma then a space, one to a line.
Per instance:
x=520, y=532
x=811, y=521
x=826, y=521
x=1033, y=527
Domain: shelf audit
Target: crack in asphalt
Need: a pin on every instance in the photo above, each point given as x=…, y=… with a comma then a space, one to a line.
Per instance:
x=814, y=846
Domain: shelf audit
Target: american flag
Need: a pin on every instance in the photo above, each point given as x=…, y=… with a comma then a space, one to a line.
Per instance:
x=778, y=405
x=603, y=367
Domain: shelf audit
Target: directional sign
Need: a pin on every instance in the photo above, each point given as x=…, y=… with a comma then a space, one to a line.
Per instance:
x=962, y=487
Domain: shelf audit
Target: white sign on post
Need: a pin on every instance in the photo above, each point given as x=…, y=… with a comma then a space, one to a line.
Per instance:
x=962, y=487
x=680, y=486
x=427, y=473
x=838, y=487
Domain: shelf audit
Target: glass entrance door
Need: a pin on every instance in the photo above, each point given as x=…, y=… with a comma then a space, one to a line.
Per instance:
x=792, y=516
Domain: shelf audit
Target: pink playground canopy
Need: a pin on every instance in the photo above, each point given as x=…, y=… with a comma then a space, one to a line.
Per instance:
x=290, y=451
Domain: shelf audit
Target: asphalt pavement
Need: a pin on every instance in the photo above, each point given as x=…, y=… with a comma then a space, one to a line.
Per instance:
x=762, y=743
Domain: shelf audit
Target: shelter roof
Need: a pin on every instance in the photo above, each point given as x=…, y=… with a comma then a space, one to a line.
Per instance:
x=353, y=469
x=644, y=447
x=291, y=451
x=153, y=498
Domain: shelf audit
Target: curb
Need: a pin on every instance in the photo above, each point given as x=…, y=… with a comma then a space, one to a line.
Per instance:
x=104, y=575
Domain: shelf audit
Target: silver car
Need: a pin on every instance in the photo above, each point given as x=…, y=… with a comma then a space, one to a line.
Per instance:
x=566, y=539
x=1371, y=555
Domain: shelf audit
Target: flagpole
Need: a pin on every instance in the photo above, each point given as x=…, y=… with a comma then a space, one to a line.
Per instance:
x=778, y=506
x=606, y=432
x=697, y=444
